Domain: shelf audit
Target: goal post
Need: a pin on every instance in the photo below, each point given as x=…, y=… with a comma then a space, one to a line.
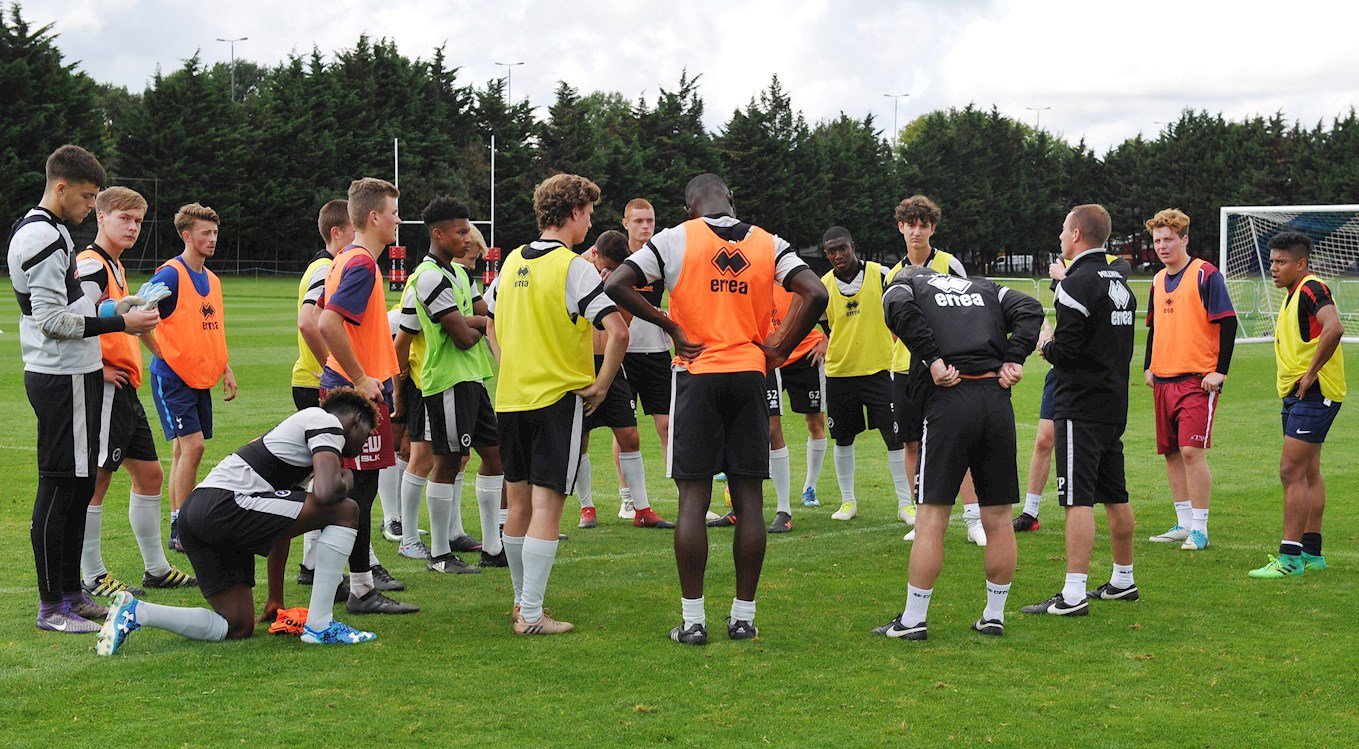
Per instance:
x=1245, y=232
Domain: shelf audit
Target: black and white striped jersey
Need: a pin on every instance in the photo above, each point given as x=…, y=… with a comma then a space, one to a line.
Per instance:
x=58, y=325
x=281, y=459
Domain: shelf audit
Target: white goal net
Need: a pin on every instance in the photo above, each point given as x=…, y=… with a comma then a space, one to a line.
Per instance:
x=1245, y=234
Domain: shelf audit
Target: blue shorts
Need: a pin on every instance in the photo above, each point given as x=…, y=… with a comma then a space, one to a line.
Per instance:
x=183, y=410
x=1309, y=418
x=1047, y=409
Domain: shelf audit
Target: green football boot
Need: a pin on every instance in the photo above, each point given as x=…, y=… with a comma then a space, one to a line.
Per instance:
x=1280, y=566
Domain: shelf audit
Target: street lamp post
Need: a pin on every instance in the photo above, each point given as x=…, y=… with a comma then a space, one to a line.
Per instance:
x=232, y=42
x=1037, y=115
x=509, y=80
x=896, y=133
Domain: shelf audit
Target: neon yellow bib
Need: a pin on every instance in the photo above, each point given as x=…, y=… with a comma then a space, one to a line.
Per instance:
x=544, y=352
x=306, y=366
x=860, y=343
x=1294, y=356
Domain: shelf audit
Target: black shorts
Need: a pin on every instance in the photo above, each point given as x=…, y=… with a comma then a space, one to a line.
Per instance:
x=847, y=400
x=648, y=375
x=414, y=402
x=619, y=409
x=970, y=426
x=1047, y=406
x=542, y=446
x=223, y=532
x=908, y=406
x=70, y=411
x=459, y=419
x=803, y=381
x=304, y=398
x=720, y=424
x=1089, y=463
x=129, y=432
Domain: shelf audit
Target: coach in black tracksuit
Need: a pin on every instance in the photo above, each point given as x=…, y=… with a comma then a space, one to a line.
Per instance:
x=969, y=337
x=1089, y=351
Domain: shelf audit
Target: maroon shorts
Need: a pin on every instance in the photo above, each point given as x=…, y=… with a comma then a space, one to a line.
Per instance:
x=1184, y=414
x=379, y=451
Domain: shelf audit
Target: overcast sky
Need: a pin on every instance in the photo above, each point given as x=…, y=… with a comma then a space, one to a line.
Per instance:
x=1108, y=70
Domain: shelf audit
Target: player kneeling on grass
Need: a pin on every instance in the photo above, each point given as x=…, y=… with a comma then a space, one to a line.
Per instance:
x=972, y=337
x=252, y=503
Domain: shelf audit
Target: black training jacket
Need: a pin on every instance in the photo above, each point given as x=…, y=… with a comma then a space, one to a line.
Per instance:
x=1092, y=342
x=970, y=323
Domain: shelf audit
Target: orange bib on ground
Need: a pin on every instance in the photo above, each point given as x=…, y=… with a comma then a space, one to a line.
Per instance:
x=193, y=338
x=725, y=298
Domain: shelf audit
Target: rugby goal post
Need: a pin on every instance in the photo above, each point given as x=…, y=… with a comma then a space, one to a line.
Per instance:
x=1245, y=232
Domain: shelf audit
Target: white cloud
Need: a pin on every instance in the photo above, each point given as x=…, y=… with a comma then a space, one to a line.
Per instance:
x=1108, y=69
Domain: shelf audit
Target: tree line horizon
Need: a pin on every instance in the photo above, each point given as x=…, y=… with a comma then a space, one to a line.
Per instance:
x=297, y=132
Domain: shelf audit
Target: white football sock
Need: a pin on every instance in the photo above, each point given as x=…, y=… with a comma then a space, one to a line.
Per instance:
x=440, y=499
x=143, y=514
x=1073, y=592
x=488, y=506
x=742, y=611
x=635, y=474
x=816, y=455
x=781, y=470
x=1199, y=518
x=1122, y=576
x=625, y=494
x=360, y=583
x=309, y=549
x=195, y=624
x=91, y=559
x=412, y=490
x=971, y=515
x=389, y=492
x=1031, y=503
x=896, y=462
x=503, y=516
x=514, y=555
x=455, y=529
x=372, y=557
x=538, y=558
x=1183, y=514
x=692, y=611
x=917, y=605
x=584, y=489
x=332, y=554
x=844, y=471
x=995, y=601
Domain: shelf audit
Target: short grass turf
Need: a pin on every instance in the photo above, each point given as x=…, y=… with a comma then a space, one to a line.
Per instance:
x=1208, y=657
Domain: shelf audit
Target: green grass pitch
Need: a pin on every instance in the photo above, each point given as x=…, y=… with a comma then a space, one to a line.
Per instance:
x=1207, y=658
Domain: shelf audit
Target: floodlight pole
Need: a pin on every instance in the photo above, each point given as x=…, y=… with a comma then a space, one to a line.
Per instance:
x=896, y=131
x=491, y=243
x=232, y=42
x=1037, y=115
x=509, y=81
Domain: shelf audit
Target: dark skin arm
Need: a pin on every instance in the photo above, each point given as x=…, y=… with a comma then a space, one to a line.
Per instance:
x=811, y=294
x=466, y=332
x=619, y=287
x=278, y=563
x=331, y=483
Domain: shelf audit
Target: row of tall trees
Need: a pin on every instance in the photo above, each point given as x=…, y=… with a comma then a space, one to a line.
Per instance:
x=296, y=133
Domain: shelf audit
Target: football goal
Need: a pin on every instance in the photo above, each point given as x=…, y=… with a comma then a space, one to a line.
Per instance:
x=1245, y=232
